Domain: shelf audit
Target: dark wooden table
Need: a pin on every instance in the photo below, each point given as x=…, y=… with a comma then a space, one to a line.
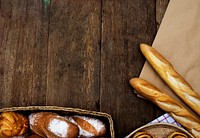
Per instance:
x=78, y=53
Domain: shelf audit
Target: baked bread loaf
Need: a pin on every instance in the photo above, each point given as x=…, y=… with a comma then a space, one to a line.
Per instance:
x=51, y=125
x=168, y=104
x=143, y=135
x=89, y=127
x=175, y=81
x=177, y=135
x=12, y=124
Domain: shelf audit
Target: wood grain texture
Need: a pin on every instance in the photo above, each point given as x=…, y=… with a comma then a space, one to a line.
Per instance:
x=74, y=56
x=125, y=25
x=78, y=53
x=161, y=6
x=23, y=53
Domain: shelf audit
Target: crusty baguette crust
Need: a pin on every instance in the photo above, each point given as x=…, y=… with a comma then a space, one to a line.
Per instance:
x=175, y=81
x=168, y=104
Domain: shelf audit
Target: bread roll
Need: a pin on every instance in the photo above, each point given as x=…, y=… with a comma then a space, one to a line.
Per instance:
x=175, y=81
x=51, y=125
x=89, y=127
x=168, y=104
x=143, y=135
x=12, y=124
x=177, y=135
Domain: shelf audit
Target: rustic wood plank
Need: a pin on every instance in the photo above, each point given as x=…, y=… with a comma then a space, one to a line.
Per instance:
x=74, y=56
x=161, y=6
x=82, y=60
x=23, y=53
x=125, y=25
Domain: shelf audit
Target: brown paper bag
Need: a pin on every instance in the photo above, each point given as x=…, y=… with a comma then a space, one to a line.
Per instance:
x=178, y=40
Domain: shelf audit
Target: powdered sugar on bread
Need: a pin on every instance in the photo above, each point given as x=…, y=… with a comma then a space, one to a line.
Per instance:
x=96, y=123
x=52, y=125
x=82, y=132
x=96, y=129
x=33, y=119
x=58, y=127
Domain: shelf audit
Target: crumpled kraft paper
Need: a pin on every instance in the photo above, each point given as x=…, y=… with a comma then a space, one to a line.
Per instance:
x=178, y=40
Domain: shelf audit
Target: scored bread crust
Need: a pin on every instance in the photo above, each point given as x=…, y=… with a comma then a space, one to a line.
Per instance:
x=89, y=127
x=40, y=122
x=174, y=80
x=168, y=104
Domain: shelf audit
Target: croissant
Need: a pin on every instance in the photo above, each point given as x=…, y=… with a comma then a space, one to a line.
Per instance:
x=12, y=124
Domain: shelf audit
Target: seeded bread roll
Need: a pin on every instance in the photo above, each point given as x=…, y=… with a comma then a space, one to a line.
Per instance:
x=168, y=104
x=175, y=81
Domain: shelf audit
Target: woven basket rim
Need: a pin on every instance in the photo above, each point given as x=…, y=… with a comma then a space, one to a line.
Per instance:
x=67, y=109
x=159, y=124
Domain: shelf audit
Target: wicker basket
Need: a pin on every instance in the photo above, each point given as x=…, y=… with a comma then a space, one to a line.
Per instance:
x=160, y=130
x=106, y=118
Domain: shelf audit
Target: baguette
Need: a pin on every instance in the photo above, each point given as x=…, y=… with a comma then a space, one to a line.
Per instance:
x=174, y=80
x=168, y=104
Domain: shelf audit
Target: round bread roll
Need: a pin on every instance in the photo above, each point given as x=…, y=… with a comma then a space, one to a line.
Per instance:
x=89, y=127
x=143, y=135
x=51, y=125
x=177, y=135
x=12, y=124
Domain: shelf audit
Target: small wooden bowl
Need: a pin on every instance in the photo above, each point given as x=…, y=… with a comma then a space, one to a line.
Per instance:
x=160, y=130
